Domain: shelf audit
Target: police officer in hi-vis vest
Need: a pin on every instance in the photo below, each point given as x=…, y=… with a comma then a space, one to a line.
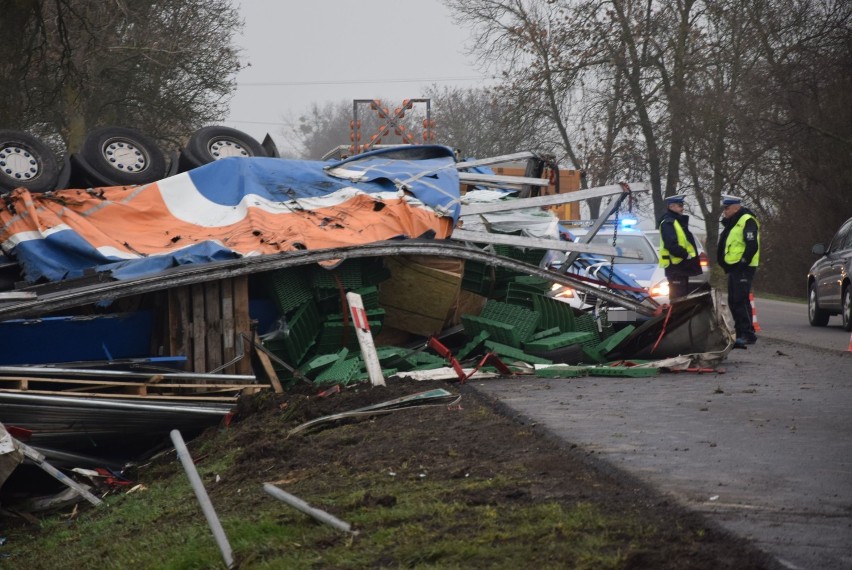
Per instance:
x=678, y=251
x=739, y=255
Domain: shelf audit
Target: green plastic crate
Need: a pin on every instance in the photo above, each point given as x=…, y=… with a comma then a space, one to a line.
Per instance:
x=303, y=327
x=546, y=333
x=562, y=371
x=553, y=313
x=511, y=352
x=468, y=349
x=341, y=372
x=321, y=362
x=617, y=338
x=498, y=331
x=288, y=288
x=564, y=339
x=523, y=320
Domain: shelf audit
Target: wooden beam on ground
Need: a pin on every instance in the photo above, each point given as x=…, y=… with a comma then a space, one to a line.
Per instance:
x=268, y=369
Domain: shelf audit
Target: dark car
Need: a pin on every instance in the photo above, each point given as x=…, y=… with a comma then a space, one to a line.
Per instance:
x=830, y=280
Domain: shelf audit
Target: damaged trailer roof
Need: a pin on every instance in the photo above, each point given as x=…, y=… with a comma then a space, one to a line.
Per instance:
x=237, y=216
x=235, y=207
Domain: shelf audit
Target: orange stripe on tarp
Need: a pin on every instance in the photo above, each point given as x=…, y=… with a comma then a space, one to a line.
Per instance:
x=136, y=220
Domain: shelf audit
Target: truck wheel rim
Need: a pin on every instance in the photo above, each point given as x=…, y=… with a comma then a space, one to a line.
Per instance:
x=18, y=163
x=124, y=155
x=223, y=147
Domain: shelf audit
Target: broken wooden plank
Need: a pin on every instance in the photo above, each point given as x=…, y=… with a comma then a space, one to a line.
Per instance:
x=212, y=318
x=198, y=354
x=229, y=350
x=269, y=370
x=30, y=382
x=242, y=321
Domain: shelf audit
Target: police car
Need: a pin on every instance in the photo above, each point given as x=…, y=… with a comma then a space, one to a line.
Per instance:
x=643, y=274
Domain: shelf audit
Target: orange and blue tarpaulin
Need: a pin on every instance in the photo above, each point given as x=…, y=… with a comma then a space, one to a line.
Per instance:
x=231, y=208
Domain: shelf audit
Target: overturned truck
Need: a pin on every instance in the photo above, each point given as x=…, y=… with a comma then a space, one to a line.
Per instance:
x=233, y=277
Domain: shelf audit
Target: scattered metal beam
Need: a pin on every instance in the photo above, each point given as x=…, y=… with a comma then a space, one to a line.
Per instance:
x=92, y=373
x=203, y=499
x=495, y=160
x=189, y=274
x=551, y=200
x=572, y=257
x=499, y=179
x=541, y=243
x=40, y=460
x=301, y=505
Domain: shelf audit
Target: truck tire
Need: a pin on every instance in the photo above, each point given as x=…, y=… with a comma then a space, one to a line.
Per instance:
x=25, y=161
x=123, y=156
x=213, y=143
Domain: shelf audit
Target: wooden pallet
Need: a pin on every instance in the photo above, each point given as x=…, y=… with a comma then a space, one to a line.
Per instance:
x=204, y=324
x=125, y=389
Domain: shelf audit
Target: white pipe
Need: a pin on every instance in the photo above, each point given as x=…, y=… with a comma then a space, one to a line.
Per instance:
x=301, y=505
x=203, y=499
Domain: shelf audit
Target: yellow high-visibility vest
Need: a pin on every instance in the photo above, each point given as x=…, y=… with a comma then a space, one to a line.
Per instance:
x=735, y=244
x=667, y=258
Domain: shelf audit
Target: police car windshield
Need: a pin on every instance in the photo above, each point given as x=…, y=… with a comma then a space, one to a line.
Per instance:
x=628, y=241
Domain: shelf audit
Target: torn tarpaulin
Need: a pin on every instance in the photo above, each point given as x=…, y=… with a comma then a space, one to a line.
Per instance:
x=232, y=207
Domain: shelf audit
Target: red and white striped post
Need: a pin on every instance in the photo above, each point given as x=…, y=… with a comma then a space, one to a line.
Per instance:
x=754, y=322
x=365, y=339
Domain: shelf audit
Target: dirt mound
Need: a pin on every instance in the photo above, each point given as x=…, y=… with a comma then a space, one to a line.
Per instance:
x=449, y=444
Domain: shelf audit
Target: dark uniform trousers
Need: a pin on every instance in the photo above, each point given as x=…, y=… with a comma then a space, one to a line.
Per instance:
x=739, y=288
x=678, y=285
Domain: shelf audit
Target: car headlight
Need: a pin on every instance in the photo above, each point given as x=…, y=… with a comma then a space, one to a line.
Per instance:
x=563, y=291
x=660, y=289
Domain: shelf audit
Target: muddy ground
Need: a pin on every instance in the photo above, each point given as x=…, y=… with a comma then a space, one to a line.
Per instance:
x=469, y=439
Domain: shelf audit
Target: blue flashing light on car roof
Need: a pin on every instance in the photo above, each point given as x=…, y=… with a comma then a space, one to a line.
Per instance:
x=628, y=222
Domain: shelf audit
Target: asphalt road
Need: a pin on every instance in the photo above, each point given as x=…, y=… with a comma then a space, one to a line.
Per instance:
x=763, y=449
x=789, y=321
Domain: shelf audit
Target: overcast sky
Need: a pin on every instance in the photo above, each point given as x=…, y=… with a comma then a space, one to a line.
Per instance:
x=340, y=50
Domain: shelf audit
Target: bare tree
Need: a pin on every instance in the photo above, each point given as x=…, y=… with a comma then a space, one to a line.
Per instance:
x=550, y=71
x=480, y=122
x=163, y=66
x=806, y=48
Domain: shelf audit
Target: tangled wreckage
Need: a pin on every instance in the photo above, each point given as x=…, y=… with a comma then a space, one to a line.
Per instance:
x=130, y=311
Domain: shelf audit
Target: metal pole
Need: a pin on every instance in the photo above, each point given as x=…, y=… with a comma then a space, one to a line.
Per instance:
x=301, y=505
x=39, y=460
x=203, y=499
